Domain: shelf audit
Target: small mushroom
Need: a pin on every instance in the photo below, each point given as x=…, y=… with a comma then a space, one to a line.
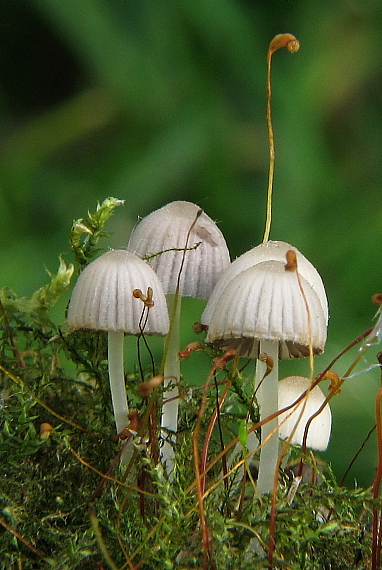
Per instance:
x=292, y=423
x=268, y=251
x=103, y=299
x=185, y=248
x=269, y=310
x=189, y=254
x=265, y=303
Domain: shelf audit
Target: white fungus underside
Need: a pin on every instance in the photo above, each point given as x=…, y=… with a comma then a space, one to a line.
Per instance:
x=265, y=302
x=102, y=298
x=205, y=260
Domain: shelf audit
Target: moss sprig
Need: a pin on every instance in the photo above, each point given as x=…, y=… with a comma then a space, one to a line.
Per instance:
x=86, y=232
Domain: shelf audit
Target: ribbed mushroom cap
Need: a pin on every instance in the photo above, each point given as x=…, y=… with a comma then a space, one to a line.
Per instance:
x=268, y=251
x=289, y=390
x=166, y=230
x=265, y=302
x=102, y=298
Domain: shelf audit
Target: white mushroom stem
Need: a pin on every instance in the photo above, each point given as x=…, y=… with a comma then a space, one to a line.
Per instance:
x=171, y=372
x=117, y=385
x=267, y=397
x=294, y=421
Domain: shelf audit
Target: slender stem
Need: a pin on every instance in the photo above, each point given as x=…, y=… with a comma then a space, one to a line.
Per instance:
x=377, y=481
x=271, y=151
x=291, y=43
x=267, y=397
x=171, y=368
x=171, y=372
x=117, y=384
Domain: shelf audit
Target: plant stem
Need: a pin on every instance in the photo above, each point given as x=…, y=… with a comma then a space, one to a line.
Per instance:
x=376, y=555
x=267, y=397
x=117, y=384
x=171, y=372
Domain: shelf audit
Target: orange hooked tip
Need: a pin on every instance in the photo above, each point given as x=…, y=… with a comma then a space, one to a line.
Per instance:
x=377, y=298
x=147, y=387
x=191, y=347
x=335, y=382
x=222, y=362
x=147, y=299
x=45, y=430
x=199, y=328
x=268, y=361
x=291, y=261
x=288, y=41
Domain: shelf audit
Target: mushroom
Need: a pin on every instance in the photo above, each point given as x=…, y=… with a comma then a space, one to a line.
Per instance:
x=267, y=251
x=189, y=254
x=269, y=310
x=103, y=299
x=292, y=423
x=185, y=248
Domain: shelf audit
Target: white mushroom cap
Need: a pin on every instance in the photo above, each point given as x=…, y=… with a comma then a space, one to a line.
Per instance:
x=167, y=229
x=268, y=251
x=289, y=390
x=102, y=298
x=265, y=302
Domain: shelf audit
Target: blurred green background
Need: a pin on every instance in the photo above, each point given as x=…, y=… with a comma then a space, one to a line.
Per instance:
x=157, y=100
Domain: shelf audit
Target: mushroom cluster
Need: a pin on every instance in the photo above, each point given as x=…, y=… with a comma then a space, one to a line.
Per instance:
x=269, y=304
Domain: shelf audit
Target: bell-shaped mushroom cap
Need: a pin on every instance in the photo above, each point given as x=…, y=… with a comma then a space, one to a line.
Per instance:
x=268, y=251
x=165, y=231
x=265, y=302
x=102, y=298
x=289, y=390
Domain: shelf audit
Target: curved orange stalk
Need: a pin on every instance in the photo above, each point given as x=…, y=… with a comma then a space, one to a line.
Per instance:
x=207, y=440
x=292, y=45
x=18, y=536
x=219, y=364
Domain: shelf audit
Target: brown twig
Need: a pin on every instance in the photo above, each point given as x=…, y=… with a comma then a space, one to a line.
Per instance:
x=16, y=534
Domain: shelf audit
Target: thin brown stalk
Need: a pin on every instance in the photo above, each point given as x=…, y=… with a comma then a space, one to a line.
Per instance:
x=207, y=440
x=198, y=478
x=17, y=535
